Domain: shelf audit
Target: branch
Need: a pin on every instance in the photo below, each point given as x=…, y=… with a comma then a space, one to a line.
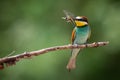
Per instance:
x=11, y=60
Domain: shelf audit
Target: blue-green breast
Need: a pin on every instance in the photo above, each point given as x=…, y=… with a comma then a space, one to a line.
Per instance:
x=81, y=34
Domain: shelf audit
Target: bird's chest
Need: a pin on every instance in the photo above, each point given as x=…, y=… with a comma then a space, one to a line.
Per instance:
x=81, y=35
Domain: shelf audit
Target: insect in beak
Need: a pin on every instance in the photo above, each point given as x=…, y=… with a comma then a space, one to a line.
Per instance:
x=69, y=17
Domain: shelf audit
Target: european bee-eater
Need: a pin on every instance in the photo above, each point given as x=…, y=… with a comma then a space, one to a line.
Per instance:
x=80, y=35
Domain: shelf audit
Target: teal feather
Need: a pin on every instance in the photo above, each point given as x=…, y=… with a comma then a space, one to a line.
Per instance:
x=81, y=36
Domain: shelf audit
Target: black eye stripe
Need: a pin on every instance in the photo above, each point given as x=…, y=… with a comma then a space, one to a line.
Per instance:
x=80, y=20
x=84, y=19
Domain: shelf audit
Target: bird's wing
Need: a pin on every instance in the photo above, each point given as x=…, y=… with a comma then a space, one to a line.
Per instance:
x=73, y=35
x=89, y=34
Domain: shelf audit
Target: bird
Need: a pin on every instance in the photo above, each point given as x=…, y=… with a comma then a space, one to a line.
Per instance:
x=80, y=34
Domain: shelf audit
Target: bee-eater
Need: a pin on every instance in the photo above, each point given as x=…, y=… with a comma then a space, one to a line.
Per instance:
x=80, y=35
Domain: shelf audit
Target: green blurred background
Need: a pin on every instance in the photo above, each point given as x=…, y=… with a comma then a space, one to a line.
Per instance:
x=27, y=25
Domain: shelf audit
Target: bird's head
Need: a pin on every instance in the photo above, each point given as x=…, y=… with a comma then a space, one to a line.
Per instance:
x=81, y=21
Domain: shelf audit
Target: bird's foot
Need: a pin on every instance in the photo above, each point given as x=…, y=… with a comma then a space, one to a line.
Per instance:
x=95, y=44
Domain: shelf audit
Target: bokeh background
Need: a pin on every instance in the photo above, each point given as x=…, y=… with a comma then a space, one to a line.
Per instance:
x=27, y=25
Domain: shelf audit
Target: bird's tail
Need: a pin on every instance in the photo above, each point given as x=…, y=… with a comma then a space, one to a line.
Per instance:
x=72, y=61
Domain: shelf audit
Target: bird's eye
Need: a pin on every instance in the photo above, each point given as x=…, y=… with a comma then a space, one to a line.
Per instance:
x=80, y=19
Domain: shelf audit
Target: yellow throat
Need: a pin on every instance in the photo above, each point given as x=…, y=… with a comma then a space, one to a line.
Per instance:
x=80, y=23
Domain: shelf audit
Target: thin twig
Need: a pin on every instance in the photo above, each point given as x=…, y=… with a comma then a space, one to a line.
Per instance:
x=11, y=60
x=10, y=54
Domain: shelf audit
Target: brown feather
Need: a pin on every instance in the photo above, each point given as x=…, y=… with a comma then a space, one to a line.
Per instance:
x=73, y=36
